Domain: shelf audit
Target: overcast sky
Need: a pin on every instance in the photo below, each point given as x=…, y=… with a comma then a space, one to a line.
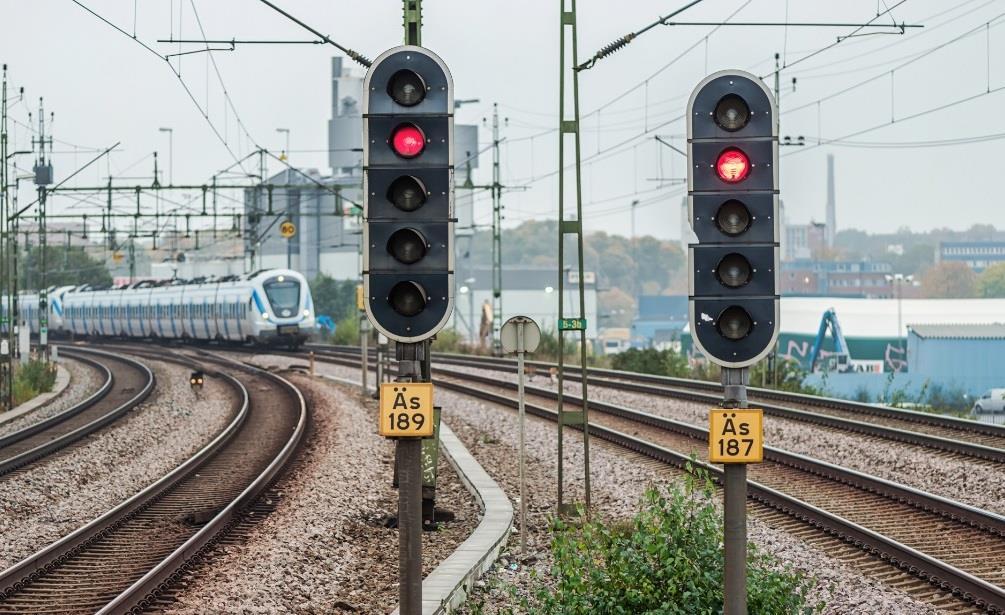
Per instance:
x=924, y=169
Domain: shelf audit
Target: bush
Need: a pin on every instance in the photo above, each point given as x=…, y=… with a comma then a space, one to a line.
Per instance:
x=448, y=340
x=33, y=378
x=652, y=361
x=347, y=331
x=666, y=559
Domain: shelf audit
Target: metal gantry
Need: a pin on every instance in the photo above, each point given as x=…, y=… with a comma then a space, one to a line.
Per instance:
x=497, y=309
x=574, y=228
x=6, y=271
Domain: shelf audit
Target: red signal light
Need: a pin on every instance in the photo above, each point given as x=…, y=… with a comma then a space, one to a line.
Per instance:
x=408, y=141
x=732, y=165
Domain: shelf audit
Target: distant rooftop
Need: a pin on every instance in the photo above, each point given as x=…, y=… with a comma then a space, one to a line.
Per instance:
x=990, y=331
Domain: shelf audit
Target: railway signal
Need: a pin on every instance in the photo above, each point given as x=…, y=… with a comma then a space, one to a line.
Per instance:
x=732, y=181
x=732, y=152
x=408, y=205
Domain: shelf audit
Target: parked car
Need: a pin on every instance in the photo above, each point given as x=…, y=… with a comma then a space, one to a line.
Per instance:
x=993, y=400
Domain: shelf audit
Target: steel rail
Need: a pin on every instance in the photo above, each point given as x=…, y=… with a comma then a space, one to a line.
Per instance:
x=42, y=450
x=682, y=388
x=962, y=584
x=144, y=591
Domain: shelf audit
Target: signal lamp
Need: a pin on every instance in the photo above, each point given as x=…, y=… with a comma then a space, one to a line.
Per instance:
x=407, y=246
x=408, y=141
x=732, y=165
x=407, y=298
x=406, y=88
x=407, y=193
x=732, y=113
x=733, y=270
x=734, y=323
x=732, y=218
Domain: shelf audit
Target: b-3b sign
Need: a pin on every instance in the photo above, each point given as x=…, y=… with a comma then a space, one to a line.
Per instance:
x=735, y=436
x=406, y=410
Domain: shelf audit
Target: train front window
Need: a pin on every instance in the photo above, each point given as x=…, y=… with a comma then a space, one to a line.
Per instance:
x=284, y=295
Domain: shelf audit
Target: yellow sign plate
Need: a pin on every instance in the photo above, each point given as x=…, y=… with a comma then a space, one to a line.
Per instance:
x=287, y=229
x=359, y=298
x=406, y=409
x=736, y=436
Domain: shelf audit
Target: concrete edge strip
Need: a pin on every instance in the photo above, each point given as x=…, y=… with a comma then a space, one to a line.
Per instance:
x=449, y=584
x=62, y=381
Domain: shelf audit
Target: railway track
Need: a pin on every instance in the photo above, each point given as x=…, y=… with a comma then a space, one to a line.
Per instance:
x=949, y=434
x=953, y=554
x=127, y=383
x=128, y=557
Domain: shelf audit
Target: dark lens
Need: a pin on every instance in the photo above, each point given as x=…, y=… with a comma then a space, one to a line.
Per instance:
x=407, y=193
x=407, y=298
x=732, y=113
x=407, y=246
x=734, y=323
x=406, y=88
x=733, y=218
x=733, y=270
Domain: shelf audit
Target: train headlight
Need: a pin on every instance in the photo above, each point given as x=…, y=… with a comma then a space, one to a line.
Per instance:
x=265, y=315
x=307, y=312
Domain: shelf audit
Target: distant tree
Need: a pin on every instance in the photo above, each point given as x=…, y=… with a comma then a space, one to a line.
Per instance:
x=915, y=259
x=949, y=280
x=991, y=281
x=616, y=308
x=64, y=266
x=335, y=298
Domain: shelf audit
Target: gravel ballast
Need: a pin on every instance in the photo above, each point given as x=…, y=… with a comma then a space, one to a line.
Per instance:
x=325, y=548
x=51, y=498
x=84, y=380
x=618, y=481
x=970, y=481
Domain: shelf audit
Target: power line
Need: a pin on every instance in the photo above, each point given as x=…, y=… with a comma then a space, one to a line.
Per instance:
x=842, y=38
x=349, y=52
x=204, y=113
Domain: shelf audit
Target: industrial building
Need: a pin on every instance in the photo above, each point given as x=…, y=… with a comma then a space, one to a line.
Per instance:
x=326, y=208
x=978, y=255
x=526, y=291
x=659, y=321
x=963, y=357
x=836, y=278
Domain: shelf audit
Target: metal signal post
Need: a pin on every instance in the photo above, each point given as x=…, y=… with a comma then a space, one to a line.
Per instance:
x=408, y=259
x=732, y=151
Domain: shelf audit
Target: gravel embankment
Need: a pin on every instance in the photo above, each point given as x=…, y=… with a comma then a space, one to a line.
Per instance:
x=972, y=482
x=618, y=481
x=51, y=498
x=325, y=548
x=84, y=380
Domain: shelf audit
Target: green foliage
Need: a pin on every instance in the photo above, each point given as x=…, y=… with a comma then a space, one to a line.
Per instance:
x=65, y=266
x=335, y=298
x=991, y=281
x=788, y=375
x=448, y=340
x=949, y=280
x=652, y=361
x=33, y=378
x=667, y=559
x=347, y=331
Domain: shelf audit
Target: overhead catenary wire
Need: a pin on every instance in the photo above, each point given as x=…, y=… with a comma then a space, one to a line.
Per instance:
x=349, y=52
x=203, y=112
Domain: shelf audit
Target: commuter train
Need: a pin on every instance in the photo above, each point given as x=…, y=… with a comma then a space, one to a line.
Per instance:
x=269, y=307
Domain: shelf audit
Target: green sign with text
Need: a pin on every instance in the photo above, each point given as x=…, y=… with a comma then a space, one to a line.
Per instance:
x=571, y=324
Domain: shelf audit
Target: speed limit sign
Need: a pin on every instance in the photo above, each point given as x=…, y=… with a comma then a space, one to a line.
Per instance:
x=287, y=229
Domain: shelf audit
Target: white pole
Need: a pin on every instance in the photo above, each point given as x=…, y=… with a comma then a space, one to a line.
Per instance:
x=523, y=482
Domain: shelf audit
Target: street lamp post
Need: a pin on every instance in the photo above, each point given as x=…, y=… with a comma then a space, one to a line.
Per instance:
x=170, y=132
x=898, y=280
